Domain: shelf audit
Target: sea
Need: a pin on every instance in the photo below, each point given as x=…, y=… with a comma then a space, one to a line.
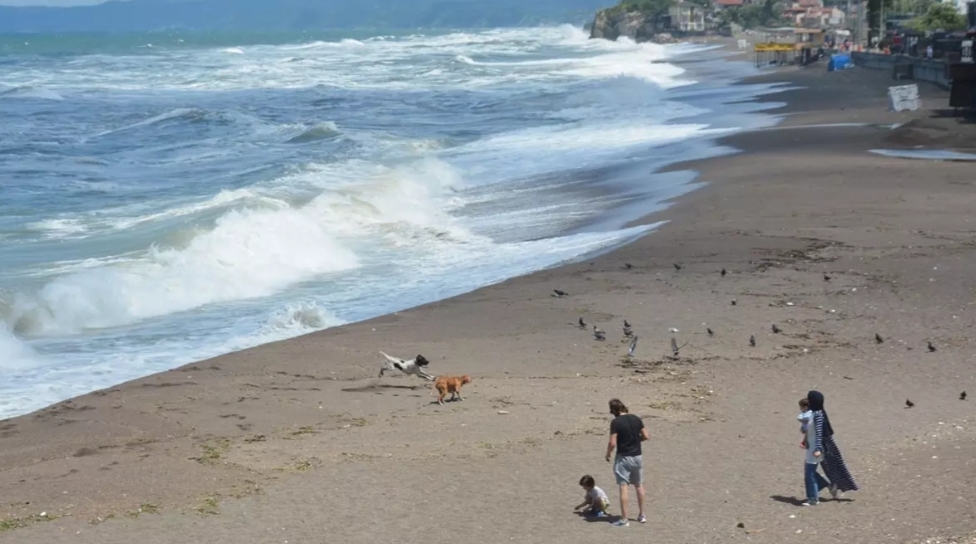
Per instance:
x=170, y=197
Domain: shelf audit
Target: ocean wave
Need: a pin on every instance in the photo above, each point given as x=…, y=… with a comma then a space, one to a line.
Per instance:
x=456, y=60
x=187, y=114
x=251, y=251
x=321, y=131
x=30, y=92
x=195, y=116
x=15, y=355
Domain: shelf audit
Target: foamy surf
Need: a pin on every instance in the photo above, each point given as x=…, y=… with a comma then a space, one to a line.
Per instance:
x=194, y=200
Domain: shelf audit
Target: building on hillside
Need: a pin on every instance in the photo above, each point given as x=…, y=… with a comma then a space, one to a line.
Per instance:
x=821, y=18
x=813, y=14
x=687, y=17
x=961, y=5
x=719, y=5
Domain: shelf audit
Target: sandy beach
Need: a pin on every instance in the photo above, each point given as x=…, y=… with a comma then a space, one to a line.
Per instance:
x=299, y=441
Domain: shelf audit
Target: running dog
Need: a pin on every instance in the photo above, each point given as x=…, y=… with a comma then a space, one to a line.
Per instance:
x=410, y=366
x=452, y=385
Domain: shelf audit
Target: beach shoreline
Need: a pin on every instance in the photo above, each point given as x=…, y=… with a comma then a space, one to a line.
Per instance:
x=266, y=439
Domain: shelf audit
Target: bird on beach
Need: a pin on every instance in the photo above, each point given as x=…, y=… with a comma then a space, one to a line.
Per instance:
x=709, y=330
x=626, y=324
x=628, y=332
x=628, y=266
x=826, y=277
x=733, y=302
x=932, y=348
x=582, y=324
x=752, y=340
x=878, y=339
x=633, y=347
x=723, y=272
x=776, y=330
x=599, y=334
x=909, y=403
x=677, y=266
x=557, y=293
x=962, y=396
x=674, y=346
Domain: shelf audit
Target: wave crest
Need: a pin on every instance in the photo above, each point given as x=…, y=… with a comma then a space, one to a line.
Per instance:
x=252, y=250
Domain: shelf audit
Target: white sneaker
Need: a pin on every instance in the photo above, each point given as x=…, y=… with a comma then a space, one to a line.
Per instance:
x=834, y=493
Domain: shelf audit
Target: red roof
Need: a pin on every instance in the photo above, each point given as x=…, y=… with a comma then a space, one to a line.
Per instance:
x=728, y=2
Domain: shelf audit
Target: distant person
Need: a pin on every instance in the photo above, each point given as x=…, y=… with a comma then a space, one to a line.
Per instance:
x=812, y=445
x=627, y=431
x=832, y=460
x=929, y=52
x=595, y=501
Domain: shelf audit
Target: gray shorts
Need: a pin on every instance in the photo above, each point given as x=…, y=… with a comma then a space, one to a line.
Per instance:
x=629, y=470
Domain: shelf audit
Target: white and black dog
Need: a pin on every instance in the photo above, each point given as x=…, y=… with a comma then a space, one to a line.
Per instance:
x=411, y=366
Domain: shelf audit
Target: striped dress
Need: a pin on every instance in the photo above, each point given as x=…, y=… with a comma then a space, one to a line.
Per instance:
x=833, y=462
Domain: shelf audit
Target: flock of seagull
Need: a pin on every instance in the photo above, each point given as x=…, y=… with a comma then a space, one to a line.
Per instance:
x=628, y=331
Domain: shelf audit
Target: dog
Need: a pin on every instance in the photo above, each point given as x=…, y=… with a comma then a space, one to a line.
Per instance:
x=450, y=384
x=411, y=366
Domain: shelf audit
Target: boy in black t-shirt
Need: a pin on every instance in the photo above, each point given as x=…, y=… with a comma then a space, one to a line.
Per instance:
x=627, y=431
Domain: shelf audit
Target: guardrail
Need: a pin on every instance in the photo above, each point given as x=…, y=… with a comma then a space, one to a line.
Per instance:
x=921, y=69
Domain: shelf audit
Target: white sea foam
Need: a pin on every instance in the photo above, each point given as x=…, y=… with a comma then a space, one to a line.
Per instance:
x=354, y=64
x=15, y=355
x=250, y=252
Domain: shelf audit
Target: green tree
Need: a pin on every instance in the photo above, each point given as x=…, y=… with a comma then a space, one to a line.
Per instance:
x=650, y=7
x=940, y=17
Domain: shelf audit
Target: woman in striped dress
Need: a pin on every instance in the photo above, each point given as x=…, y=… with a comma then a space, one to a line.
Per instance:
x=833, y=462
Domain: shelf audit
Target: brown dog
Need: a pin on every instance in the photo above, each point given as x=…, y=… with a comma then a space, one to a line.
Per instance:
x=450, y=384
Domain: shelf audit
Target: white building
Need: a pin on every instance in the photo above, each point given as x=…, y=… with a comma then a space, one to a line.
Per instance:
x=687, y=17
x=960, y=5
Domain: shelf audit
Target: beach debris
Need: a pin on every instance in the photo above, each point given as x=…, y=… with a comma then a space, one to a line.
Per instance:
x=962, y=396
x=752, y=340
x=723, y=272
x=673, y=330
x=633, y=347
x=776, y=330
x=847, y=377
x=503, y=412
x=677, y=266
x=826, y=277
x=740, y=525
x=674, y=347
x=878, y=339
x=733, y=302
x=599, y=334
x=909, y=403
x=582, y=324
x=628, y=266
x=559, y=294
x=932, y=348
x=710, y=333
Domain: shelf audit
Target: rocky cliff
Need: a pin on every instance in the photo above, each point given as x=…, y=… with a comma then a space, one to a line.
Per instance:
x=612, y=23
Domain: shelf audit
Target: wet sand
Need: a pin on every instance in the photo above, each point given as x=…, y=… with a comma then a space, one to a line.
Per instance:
x=299, y=441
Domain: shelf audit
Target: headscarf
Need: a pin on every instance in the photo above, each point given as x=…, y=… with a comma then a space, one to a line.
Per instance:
x=816, y=400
